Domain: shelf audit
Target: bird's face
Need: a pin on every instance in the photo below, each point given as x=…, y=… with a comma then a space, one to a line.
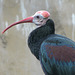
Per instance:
x=39, y=18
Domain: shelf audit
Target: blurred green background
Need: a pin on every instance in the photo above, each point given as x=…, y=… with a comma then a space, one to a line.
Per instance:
x=15, y=56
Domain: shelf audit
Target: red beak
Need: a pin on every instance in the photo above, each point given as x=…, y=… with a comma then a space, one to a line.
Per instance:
x=29, y=19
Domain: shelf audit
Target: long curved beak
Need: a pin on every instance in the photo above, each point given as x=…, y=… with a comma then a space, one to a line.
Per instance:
x=26, y=20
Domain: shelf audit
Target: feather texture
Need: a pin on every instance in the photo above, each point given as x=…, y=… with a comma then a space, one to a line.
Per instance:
x=57, y=56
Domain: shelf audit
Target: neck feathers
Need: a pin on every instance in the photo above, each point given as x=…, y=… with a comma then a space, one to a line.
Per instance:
x=38, y=35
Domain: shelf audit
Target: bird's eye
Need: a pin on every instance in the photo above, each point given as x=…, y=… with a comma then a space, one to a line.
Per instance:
x=37, y=17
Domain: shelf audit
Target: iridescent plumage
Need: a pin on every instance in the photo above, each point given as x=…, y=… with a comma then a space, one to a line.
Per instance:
x=55, y=52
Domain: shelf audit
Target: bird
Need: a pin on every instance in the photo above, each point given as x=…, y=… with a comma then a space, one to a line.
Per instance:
x=55, y=52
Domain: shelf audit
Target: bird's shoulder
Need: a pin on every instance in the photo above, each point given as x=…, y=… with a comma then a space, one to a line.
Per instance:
x=58, y=40
x=59, y=47
x=55, y=51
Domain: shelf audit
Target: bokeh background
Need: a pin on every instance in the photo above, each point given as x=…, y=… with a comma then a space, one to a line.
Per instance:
x=15, y=56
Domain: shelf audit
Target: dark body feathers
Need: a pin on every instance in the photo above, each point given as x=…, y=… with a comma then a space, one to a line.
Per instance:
x=55, y=52
x=38, y=35
x=57, y=56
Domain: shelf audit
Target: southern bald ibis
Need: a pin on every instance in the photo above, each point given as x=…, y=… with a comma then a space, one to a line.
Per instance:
x=55, y=52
